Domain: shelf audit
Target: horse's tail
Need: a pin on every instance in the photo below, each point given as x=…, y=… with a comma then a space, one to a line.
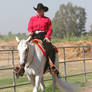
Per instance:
x=64, y=86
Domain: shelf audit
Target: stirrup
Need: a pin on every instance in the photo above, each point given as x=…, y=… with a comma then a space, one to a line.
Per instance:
x=53, y=68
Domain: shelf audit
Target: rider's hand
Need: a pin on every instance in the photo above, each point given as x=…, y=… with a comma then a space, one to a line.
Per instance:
x=31, y=33
x=46, y=39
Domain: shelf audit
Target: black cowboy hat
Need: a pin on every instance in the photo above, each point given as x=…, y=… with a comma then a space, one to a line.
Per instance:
x=41, y=6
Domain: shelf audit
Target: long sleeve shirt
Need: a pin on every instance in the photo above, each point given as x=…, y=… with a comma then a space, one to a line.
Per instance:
x=40, y=23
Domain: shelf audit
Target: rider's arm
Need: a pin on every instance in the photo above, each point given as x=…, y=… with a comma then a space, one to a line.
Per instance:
x=49, y=32
x=30, y=25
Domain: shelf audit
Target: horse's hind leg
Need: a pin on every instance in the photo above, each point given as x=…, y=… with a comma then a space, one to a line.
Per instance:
x=53, y=83
x=53, y=76
x=42, y=85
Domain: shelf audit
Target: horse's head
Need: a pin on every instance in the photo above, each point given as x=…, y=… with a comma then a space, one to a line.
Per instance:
x=22, y=49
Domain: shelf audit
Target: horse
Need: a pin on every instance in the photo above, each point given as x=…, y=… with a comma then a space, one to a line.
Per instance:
x=35, y=61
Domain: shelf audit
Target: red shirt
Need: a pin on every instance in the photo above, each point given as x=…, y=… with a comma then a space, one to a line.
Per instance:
x=40, y=23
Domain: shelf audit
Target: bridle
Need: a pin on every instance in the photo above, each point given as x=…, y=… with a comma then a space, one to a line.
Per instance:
x=26, y=55
x=20, y=67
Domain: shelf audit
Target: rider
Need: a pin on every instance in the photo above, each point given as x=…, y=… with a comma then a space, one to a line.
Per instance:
x=40, y=27
x=40, y=23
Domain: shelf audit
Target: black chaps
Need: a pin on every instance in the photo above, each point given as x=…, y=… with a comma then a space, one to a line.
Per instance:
x=50, y=49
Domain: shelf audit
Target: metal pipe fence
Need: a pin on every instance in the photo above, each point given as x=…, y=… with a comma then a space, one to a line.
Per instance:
x=83, y=59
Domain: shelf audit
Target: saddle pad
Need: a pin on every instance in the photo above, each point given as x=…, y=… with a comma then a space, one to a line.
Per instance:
x=39, y=44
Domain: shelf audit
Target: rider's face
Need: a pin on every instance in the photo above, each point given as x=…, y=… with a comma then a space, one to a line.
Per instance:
x=40, y=12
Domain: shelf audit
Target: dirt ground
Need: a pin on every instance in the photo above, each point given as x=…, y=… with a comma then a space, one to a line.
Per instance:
x=86, y=89
x=75, y=52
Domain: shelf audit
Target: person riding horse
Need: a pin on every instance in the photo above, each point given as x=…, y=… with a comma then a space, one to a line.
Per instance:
x=40, y=23
x=40, y=27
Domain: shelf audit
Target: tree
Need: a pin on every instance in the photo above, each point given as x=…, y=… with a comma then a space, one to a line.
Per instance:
x=69, y=20
x=90, y=31
x=10, y=33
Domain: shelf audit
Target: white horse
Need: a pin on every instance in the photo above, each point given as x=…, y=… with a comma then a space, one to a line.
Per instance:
x=31, y=55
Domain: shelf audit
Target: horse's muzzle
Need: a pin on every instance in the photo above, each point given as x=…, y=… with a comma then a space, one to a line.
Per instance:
x=19, y=70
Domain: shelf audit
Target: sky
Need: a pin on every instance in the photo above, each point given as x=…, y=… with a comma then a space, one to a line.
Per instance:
x=15, y=14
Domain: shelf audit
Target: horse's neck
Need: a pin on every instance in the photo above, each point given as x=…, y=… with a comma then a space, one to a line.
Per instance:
x=30, y=53
x=35, y=59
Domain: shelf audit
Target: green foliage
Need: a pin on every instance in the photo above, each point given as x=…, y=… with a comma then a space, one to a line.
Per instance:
x=72, y=38
x=77, y=80
x=87, y=36
x=11, y=36
x=90, y=31
x=69, y=20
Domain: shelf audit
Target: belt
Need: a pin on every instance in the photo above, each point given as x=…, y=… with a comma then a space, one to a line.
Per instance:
x=38, y=31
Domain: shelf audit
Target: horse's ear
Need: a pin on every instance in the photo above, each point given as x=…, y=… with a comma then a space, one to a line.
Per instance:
x=17, y=39
x=29, y=39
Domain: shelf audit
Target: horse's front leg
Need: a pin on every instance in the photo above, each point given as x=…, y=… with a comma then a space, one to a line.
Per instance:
x=37, y=82
x=42, y=85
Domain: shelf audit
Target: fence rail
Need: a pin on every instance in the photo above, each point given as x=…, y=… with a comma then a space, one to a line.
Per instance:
x=83, y=59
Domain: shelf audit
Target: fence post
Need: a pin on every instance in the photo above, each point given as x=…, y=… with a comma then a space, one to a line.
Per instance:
x=8, y=57
x=13, y=75
x=84, y=64
x=64, y=64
